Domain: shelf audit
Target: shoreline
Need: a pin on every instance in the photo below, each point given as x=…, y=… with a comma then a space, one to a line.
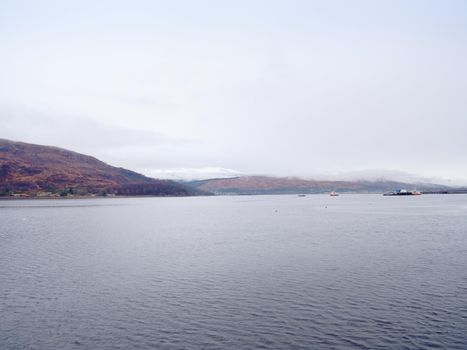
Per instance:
x=12, y=198
x=94, y=197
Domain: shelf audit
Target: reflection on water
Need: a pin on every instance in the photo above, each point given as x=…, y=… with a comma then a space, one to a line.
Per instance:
x=271, y=272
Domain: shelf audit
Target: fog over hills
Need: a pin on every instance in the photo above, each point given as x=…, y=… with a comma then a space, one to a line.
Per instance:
x=45, y=170
x=206, y=173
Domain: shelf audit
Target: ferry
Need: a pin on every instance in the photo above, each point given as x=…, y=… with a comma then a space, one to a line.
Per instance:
x=403, y=192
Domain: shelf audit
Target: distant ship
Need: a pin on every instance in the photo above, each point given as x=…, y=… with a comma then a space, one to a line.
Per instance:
x=334, y=194
x=302, y=195
x=403, y=193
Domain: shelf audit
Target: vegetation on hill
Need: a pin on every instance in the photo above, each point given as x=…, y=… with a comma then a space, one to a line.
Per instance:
x=35, y=170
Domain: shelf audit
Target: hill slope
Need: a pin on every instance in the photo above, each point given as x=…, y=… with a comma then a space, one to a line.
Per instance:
x=293, y=185
x=29, y=168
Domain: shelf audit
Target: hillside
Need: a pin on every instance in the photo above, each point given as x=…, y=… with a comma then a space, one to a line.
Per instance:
x=293, y=185
x=44, y=170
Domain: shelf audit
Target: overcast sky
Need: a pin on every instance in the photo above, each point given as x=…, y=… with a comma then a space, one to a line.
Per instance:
x=257, y=87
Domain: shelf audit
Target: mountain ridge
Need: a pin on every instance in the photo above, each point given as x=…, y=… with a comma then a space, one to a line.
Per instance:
x=260, y=184
x=38, y=170
x=32, y=169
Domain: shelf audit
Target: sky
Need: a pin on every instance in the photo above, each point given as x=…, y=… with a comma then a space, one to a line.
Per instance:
x=194, y=89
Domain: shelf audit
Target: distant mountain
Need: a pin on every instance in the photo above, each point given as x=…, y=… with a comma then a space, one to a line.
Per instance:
x=44, y=170
x=294, y=185
x=191, y=174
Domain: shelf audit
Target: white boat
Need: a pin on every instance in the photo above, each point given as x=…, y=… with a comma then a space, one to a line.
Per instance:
x=333, y=194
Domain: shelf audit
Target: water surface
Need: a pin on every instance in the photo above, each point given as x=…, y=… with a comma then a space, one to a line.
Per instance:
x=246, y=272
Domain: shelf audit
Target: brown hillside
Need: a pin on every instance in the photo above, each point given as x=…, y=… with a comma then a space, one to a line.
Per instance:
x=294, y=185
x=32, y=168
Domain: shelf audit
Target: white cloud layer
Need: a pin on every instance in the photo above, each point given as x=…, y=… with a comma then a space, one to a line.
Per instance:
x=270, y=87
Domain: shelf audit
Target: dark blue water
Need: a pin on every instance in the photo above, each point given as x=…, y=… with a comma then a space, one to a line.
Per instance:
x=266, y=272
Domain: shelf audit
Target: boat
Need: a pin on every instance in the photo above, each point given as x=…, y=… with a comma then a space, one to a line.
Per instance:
x=302, y=195
x=333, y=194
x=403, y=192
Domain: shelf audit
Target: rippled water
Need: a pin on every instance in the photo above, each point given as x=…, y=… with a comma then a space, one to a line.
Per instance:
x=265, y=272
